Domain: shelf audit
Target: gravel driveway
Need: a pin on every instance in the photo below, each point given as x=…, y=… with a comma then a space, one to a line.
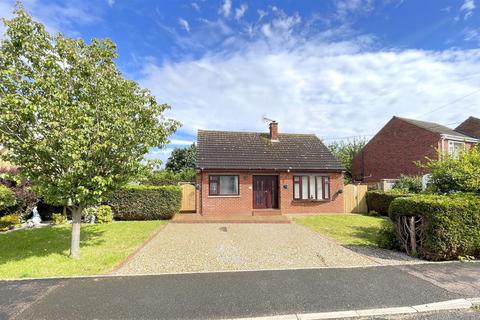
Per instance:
x=222, y=247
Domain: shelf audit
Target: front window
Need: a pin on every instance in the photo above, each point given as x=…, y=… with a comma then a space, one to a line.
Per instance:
x=311, y=187
x=222, y=185
x=455, y=147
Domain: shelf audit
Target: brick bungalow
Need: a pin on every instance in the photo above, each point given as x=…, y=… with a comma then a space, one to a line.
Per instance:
x=258, y=173
x=395, y=148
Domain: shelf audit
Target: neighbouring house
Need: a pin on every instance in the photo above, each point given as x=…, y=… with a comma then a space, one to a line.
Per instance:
x=470, y=127
x=394, y=150
x=266, y=173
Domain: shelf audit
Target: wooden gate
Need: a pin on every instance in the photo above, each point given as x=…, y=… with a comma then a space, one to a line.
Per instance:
x=188, y=198
x=354, y=197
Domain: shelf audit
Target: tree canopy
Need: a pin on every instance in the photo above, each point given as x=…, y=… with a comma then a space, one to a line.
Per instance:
x=345, y=151
x=74, y=126
x=182, y=159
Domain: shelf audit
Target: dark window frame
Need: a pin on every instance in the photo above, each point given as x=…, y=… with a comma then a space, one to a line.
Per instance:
x=325, y=181
x=218, y=185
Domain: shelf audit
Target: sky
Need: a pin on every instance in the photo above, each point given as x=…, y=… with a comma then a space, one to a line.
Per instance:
x=337, y=69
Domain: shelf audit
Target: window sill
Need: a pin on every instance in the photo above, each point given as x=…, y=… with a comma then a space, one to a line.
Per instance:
x=225, y=196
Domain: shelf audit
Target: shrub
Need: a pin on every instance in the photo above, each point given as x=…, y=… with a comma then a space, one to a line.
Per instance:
x=7, y=198
x=9, y=221
x=59, y=218
x=90, y=214
x=145, y=202
x=380, y=201
x=455, y=173
x=385, y=238
x=104, y=214
x=446, y=227
x=25, y=197
x=408, y=184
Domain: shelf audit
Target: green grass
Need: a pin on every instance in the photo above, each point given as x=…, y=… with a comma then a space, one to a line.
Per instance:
x=349, y=229
x=44, y=252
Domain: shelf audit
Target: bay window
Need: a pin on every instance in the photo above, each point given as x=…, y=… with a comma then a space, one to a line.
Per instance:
x=223, y=185
x=311, y=187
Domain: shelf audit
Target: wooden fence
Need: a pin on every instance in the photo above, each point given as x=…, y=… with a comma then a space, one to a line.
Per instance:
x=188, y=198
x=354, y=197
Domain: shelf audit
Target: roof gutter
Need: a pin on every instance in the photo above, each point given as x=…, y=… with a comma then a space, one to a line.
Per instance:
x=457, y=138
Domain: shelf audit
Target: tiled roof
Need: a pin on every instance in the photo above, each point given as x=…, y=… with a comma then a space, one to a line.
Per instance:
x=470, y=127
x=434, y=127
x=254, y=150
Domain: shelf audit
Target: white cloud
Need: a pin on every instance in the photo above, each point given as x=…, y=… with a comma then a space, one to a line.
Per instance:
x=184, y=24
x=240, y=11
x=467, y=7
x=111, y=2
x=226, y=8
x=344, y=8
x=195, y=6
x=331, y=88
x=181, y=142
x=472, y=35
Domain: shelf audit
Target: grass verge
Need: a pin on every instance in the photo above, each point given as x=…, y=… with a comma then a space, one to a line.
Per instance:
x=44, y=252
x=349, y=229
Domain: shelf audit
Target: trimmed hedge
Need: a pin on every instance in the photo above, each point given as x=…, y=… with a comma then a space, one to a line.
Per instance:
x=380, y=201
x=145, y=202
x=451, y=224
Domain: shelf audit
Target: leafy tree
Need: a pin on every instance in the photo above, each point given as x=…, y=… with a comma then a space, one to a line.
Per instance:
x=182, y=158
x=73, y=125
x=455, y=174
x=345, y=151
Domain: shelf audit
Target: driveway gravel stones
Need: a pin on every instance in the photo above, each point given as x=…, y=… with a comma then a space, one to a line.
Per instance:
x=224, y=247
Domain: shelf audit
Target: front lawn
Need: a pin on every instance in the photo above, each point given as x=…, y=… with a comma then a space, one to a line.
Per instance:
x=44, y=252
x=349, y=229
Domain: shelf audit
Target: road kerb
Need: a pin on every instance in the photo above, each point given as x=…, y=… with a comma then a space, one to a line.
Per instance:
x=455, y=304
x=444, y=305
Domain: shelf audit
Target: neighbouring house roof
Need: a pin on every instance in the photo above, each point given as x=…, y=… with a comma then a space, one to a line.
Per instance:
x=470, y=127
x=254, y=150
x=435, y=128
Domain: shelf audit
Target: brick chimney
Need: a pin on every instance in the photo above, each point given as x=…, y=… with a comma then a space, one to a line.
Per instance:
x=273, y=130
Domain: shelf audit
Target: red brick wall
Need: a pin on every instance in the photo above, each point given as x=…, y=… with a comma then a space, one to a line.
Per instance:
x=393, y=150
x=243, y=204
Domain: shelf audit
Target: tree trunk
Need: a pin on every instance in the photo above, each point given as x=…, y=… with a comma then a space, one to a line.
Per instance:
x=413, y=236
x=75, y=242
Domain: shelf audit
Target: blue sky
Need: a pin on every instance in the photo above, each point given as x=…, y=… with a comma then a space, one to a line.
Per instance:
x=333, y=68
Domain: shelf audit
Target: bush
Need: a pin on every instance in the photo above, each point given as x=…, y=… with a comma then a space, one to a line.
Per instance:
x=59, y=218
x=380, y=201
x=447, y=227
x=145, y=202
x=7, y=198
x=104, y=214
x=25, y=197
x=90, y=214
x=408, y=184
x=386, y=238
x=9, y=221
x=455, y=174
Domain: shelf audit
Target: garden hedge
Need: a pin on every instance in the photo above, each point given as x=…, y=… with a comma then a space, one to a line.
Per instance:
x=145, y=202
x=451, y=224
x=380, y=201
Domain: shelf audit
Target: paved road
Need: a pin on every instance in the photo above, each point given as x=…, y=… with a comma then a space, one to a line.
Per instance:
x=219, y=295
